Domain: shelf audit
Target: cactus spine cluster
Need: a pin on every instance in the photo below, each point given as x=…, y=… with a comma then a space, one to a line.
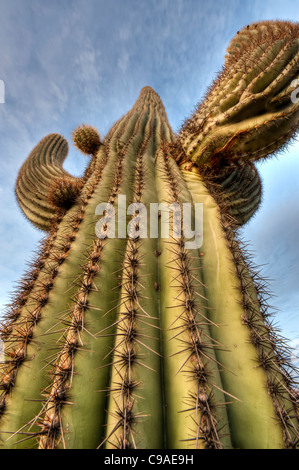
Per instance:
x=140, y=342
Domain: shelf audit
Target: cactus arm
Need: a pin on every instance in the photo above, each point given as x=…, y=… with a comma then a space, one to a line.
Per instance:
x=242, y=117
x=97, y=318
x=106, y=323
x=101, y=301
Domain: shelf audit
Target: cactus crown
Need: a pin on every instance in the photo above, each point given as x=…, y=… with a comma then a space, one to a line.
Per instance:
x=145, y=340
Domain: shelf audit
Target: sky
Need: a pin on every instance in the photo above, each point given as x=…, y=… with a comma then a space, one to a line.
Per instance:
x=65, y=62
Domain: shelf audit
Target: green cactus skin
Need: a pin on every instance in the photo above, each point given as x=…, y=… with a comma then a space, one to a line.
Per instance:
x=141, y=342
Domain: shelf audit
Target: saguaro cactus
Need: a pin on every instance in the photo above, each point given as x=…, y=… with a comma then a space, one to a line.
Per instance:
x=138, y=341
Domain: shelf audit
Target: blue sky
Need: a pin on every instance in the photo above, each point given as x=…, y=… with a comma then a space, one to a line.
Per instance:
x=72, y=61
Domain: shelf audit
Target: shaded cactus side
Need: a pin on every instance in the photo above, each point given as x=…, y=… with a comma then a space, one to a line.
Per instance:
x=140, y=342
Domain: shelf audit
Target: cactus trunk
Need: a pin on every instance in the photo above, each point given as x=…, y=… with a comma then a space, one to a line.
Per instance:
x=136, y=340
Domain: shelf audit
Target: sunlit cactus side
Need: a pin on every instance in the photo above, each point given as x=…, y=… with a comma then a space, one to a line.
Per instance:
x=143, y=342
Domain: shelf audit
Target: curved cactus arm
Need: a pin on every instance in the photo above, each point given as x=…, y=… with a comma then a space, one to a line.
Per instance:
x=248, y=112
x=42, y=167
x=254, y=371
x=136, y=401
x=33, y=328
x=238, y=186
x=105, y=326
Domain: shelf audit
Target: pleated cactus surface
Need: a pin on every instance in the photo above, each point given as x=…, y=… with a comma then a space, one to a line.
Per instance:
x=133, y=329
